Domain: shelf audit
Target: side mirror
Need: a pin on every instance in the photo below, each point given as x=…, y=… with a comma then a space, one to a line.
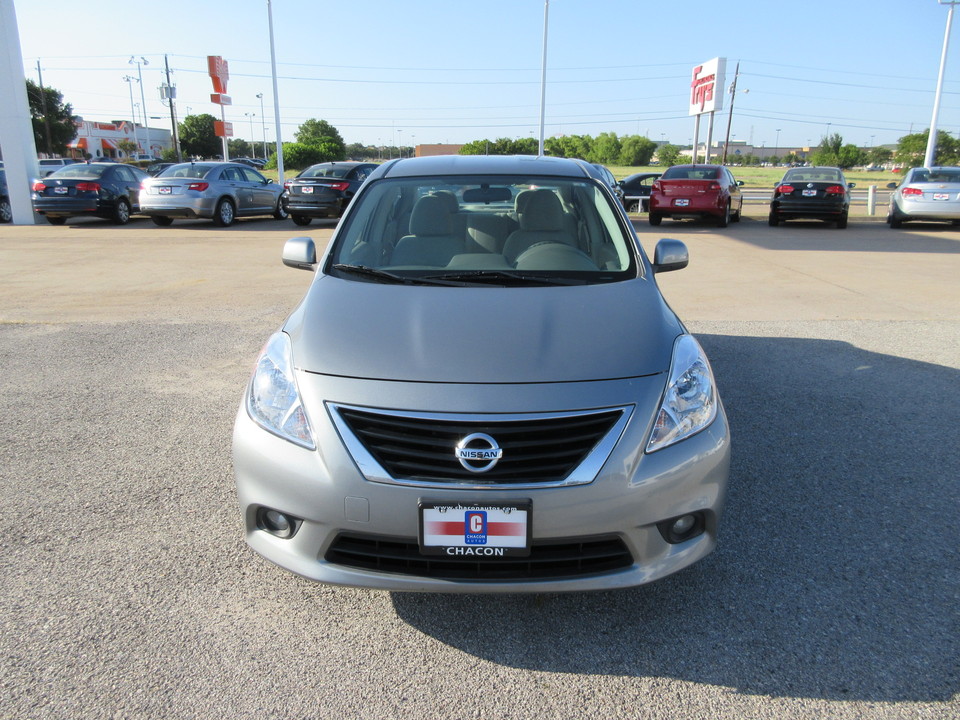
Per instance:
x=740, y=183
x=892, y=186
x=300, y=253
x=851, y=185
x=670, y=255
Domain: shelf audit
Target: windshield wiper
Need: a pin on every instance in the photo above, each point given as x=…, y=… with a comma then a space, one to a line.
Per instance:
x=385, y=275
x=506, y=277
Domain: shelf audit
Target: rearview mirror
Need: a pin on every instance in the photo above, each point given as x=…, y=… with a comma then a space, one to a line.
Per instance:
x=487, y=195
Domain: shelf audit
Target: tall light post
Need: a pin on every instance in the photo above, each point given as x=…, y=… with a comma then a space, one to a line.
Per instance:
x=143, y=99
x=776, y=148
x=130, y=81
x=400, y=135
x=928, y=158
x=253, y=144
x=263, y=125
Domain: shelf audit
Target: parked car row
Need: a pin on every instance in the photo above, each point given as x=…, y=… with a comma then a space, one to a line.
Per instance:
x=224, y=191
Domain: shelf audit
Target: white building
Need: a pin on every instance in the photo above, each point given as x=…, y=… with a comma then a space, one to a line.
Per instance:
x=99, y=139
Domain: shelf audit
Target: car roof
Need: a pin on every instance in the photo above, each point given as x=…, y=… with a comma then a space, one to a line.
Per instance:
x=485, y=165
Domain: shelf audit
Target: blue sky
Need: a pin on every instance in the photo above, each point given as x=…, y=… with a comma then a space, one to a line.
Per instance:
x=439, y=71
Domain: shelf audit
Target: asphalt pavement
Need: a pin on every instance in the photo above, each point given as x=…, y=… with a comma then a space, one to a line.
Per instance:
x=128, y=592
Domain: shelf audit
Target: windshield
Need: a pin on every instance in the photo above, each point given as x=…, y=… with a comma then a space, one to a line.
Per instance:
x=337, y=171
x=813, y=175
x=693, y=172
x=487, y=229
x=936, y=175
x=188, y=170
x=81, y=171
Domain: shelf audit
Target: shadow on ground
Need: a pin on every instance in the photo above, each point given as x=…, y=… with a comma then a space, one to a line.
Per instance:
x=837, y=571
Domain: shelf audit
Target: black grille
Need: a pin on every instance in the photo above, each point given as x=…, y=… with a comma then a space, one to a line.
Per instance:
x=547, y=560
x=543, y=450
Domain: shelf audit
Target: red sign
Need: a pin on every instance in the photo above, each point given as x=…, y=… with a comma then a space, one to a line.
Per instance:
x=220, y=99
x=219, y=73
x=222, y=129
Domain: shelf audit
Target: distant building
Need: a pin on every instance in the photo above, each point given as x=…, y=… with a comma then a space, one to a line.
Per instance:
x=99, y=139
x=429, y=150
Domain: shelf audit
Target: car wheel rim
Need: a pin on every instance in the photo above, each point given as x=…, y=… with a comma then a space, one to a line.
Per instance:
x=6, y=213
x=226, y=213
x=123, y=212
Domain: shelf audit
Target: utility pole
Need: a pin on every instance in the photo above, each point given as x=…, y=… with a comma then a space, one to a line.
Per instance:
x=733, y=96
x=169, y=93
x=43, y=107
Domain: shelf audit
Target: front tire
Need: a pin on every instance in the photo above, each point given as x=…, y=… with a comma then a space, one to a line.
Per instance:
x=280, y=213
x=301, y=219
x=121, y=213
x=655, y=218
x=224, y=214
x=6, y=212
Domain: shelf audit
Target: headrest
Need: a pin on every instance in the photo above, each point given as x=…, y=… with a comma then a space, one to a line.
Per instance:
x=543, y=212
x=431, y=216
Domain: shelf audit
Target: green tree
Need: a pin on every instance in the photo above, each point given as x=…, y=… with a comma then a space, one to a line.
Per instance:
x=197, y=136
x=323, y=134
x=636, y=150
x=58, y=119
x=879, y=155
x=127, y=147
x=668, y=154
x=238, y=147
x=605, y=149
x=912, y=149
x=501, y=146
x=571, y=146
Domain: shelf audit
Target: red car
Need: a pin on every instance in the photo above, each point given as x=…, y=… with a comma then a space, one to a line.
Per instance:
x=696, y=191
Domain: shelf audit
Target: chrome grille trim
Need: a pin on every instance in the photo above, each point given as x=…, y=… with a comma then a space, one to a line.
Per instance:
x=581, y=473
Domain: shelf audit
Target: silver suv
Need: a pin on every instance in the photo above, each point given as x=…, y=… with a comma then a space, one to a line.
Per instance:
x=483, y=390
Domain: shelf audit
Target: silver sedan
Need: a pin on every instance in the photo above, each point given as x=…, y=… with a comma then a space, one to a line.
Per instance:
x=475, y=398
x=926, y=194
x=217, y=190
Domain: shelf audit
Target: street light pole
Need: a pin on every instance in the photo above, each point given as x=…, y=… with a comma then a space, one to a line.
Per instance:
x=928, y=158
x=253, y=145
x=263, y=126
x=130, y=81
x=143, y=99
x=776, y=148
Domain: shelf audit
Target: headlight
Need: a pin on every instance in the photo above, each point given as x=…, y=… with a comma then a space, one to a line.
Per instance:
x=273, y=400
x=690, y=402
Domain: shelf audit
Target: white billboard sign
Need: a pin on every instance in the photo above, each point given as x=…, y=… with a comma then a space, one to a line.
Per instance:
x=706, y=86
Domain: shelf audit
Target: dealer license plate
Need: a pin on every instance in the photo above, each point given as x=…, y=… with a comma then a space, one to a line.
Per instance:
x=941, y=196
x=681, y=202
x=307, y=190
x=165, y=190
x=482, y=531
x=61, y=190
x=809, y=193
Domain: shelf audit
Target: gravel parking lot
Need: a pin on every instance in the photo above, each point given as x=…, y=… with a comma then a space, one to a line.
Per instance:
x=129, y=593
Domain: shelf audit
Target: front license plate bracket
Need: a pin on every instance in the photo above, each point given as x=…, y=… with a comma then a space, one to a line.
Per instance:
x=475, y=531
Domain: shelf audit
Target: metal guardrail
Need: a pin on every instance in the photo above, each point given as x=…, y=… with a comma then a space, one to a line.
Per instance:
x=858, y=197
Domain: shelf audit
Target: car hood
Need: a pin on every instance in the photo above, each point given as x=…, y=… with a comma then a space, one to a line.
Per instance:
x=483, y=334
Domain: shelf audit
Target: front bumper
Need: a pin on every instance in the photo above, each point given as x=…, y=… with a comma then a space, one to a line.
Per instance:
x=631, y=494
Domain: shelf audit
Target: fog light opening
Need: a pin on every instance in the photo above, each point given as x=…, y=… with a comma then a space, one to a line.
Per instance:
x=277, y=523
x=682, y=528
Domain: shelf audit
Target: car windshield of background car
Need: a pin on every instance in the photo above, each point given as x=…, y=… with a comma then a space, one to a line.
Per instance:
x=326, y=171
x=81, y=172
x=478, y=224
x=193, y=170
